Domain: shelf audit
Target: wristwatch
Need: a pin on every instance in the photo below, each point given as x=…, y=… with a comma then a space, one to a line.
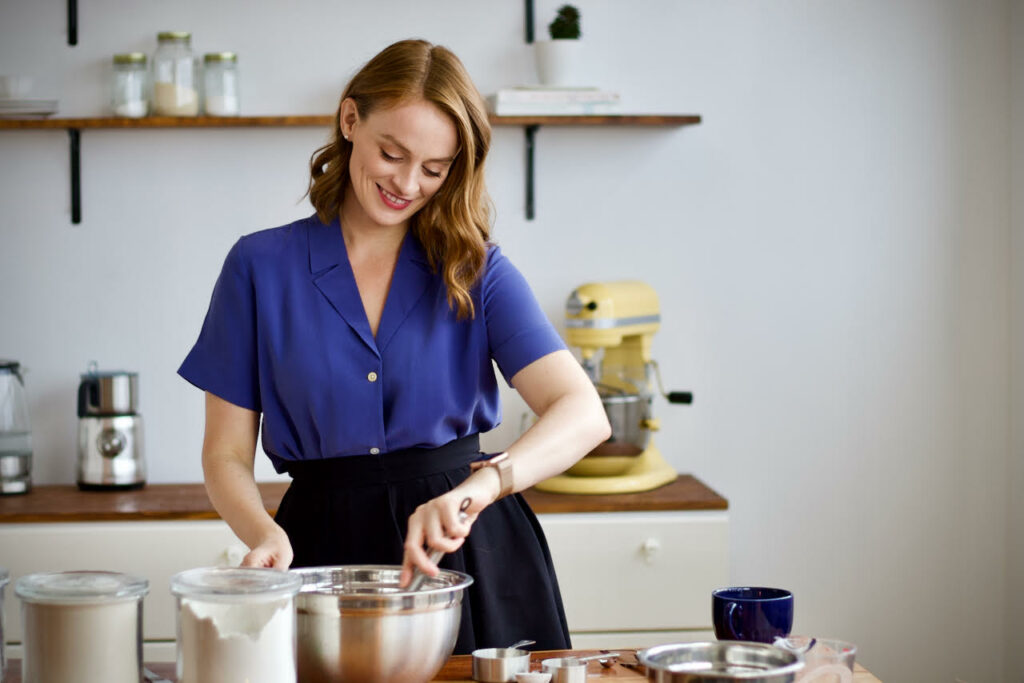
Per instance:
x=503, y=466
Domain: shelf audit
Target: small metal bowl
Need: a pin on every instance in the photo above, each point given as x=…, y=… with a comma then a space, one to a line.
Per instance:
x=724, y=660
x=499, y=664
x=565, y=669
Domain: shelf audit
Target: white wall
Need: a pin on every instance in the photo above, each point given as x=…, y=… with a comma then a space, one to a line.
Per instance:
x=1015, y=479
x=831, y=246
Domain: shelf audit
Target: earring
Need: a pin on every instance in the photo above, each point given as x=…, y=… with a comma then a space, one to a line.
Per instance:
x=344, y=136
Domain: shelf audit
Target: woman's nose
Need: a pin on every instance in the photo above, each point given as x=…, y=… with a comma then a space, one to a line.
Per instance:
x=405, y=179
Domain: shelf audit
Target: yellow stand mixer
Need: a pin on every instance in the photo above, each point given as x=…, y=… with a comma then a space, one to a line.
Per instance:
x=612, y=324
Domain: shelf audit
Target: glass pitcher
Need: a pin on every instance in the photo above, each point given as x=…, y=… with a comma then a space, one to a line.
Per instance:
x=15, y=432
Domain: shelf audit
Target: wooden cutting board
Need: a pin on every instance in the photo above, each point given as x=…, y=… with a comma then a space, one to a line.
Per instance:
x=460, y=667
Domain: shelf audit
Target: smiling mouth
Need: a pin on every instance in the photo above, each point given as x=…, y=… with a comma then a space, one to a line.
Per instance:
x=391, y=200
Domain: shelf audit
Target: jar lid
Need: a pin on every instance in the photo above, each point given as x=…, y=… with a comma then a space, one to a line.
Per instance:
x=77, y=587
x=9, y=365
x=220, y=57
x=174, y=35
x=232, y=584
x=130, y=58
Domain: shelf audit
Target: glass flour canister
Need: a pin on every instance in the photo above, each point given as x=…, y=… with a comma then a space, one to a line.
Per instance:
x=130, y=85
x=220, y=81
x=236, y=625
x=81, y=627
x=175, y=75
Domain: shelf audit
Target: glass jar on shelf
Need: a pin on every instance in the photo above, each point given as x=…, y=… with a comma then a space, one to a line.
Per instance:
x=220, y=84
x=130, y=85
x=175, y=75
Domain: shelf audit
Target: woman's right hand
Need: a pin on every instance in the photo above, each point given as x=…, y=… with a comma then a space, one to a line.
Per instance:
x=274, y=552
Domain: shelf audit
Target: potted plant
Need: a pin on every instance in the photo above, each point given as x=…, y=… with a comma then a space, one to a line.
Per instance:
x=559, y=60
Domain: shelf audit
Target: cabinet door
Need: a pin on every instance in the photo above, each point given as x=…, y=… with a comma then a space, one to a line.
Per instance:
x=152, y=550
x=638, y=571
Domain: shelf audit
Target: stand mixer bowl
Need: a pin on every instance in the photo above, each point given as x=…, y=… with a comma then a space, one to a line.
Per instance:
x=628, y=415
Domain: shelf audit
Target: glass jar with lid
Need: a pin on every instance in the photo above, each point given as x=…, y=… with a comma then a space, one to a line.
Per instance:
x=175, y=75
x=81, y=626
x=236, y=624
x=130, y=85
x=220, y=83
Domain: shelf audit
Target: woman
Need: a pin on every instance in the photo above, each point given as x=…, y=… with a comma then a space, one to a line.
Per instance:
x=365, y=335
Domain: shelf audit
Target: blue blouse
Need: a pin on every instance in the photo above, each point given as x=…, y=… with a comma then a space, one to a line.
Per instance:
x=286, y=335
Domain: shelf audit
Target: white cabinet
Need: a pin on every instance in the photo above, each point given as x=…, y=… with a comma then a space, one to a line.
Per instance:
x=628, y=579
x=636, y=579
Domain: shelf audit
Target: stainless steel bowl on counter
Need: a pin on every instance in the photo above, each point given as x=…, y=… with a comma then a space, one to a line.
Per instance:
x=715, y=662
x=355, y=625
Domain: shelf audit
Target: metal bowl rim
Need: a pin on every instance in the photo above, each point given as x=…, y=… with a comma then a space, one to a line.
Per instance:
x=464, y=581
x=793, y=667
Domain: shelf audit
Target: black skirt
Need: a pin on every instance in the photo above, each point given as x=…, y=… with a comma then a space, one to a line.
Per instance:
x=354, y=510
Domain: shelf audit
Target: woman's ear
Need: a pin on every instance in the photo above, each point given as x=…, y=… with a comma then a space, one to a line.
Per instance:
x=348, y=117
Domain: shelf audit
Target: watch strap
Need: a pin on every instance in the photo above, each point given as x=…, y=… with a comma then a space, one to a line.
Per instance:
x=503, y=466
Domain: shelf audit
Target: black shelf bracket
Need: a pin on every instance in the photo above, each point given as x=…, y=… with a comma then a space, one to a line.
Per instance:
x=72, y=22
x=74, y=138
x=529, y=20
x=531, y=133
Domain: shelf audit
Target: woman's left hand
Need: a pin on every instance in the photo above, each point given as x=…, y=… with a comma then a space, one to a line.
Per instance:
x=436, y=525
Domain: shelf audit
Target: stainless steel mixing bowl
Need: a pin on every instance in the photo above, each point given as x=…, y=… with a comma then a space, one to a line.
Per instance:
x=356, y=626
x=724, y=660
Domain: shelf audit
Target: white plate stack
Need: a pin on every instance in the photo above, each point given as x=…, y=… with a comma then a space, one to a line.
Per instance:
x=16, y=108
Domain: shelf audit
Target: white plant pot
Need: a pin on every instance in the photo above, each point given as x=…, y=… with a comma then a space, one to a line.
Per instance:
x=560, y=62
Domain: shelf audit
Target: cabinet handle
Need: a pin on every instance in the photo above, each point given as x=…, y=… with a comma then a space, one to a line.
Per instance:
x=650, y=550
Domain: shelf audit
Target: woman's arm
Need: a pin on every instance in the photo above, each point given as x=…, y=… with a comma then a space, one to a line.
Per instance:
x=571, y=423
x=229, y=451
x=571, y=419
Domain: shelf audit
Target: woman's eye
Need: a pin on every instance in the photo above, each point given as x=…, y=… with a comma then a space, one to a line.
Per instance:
x=387, y=157
x=432, y=174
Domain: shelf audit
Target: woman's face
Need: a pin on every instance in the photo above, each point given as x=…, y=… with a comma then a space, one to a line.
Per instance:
x=400, y=158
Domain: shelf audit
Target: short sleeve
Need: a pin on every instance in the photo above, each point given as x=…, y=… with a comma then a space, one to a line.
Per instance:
x=224, y=359
x=518, y=332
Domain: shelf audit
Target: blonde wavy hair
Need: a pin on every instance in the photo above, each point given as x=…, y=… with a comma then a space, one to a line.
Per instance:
x=454, y=225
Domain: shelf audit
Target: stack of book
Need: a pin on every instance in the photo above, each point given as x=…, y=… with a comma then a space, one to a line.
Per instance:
x=550, y=101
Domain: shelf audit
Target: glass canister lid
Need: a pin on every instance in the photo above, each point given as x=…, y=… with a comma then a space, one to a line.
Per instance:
x=233, y=584
x=80, y=587
x=9, y=365
x=211, y=57
x=130, y=58
x=173, y=35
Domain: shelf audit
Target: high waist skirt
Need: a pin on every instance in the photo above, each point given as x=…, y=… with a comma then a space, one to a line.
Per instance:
x=355, y=510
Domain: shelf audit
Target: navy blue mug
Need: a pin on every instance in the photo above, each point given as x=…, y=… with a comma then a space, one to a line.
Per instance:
x=757, y=614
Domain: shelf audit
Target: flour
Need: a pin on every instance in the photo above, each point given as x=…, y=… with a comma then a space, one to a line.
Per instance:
x=243, y=642
x=82, y=643
x=171, y=99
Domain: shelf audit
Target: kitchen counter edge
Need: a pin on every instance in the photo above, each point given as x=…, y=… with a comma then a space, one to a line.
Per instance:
x=169, y=502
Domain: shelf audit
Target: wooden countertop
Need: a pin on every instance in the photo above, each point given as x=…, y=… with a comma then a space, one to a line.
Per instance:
x=189, y=502
x=460, y=669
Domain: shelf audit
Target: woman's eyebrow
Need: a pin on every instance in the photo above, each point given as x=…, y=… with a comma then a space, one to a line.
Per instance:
x=405, y=150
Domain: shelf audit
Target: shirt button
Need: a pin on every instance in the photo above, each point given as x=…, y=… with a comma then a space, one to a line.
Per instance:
x=372, y=377
x=374, y=451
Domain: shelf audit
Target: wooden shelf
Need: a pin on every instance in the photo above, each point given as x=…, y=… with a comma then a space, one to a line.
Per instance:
x=328, y=119
x=168, y=122
x=530, y=125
